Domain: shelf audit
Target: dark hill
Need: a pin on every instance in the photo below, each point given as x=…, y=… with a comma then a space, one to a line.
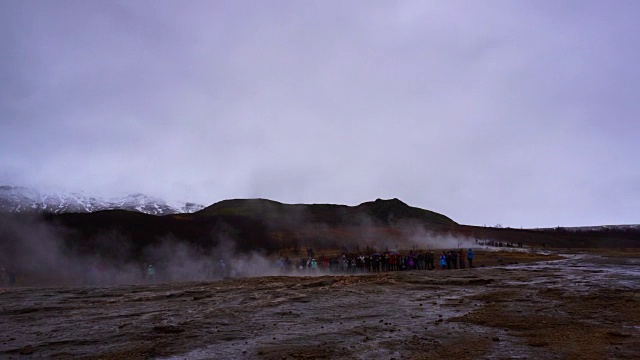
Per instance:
x=250, y=224
x=388, y=211
x=271, y=227
x=244, y=207
x=380, y=212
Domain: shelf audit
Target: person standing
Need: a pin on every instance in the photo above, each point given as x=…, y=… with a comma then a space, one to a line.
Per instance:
x=470, y=256
x=443, y=261
x=461, y=257
x=151, y=274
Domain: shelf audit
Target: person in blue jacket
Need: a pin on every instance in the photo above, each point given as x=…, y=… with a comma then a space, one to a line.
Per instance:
x=470, y=258
x=443, y=261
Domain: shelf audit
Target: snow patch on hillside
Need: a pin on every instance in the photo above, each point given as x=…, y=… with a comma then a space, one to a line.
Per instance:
x=17, y=199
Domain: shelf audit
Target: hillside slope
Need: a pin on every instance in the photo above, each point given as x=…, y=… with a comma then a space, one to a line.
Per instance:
x=270, y=227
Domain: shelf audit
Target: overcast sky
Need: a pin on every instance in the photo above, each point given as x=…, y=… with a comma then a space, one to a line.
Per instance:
x=523, y=113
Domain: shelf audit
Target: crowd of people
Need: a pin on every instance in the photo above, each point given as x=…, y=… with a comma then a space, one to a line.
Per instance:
x=498, y=243
x=387, y=261
x=347, y=263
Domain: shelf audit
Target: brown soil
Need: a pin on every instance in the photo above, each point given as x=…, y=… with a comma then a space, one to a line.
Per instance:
x=585, y=307
x=509, y=257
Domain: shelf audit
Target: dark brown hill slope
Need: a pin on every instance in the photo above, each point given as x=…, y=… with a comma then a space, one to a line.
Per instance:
x=380, y=212
x=270, y=227
x=249, y=224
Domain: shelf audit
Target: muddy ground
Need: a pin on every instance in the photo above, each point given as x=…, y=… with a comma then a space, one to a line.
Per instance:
x=519, y=305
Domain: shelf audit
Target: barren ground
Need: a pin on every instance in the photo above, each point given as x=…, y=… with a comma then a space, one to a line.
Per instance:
x=584, y=306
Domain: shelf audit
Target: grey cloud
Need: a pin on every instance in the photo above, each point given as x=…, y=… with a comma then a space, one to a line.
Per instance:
x=522, y=113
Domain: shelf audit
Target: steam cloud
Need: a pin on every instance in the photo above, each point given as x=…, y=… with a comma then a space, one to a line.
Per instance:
x=40, y=251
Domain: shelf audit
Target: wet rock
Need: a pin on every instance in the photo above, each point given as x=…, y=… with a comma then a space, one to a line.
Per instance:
x=320, y=283
x=539, y=343
x=167, y=329
x=495, y=338
x=617, y=333
x=27, y=350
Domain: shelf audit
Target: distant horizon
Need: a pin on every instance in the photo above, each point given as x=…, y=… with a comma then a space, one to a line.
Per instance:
x=64, y=191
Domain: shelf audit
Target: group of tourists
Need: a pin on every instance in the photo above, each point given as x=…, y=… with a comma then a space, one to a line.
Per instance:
x=456, y=259
x=388, y=261
x=347, y=263
x=498, y=243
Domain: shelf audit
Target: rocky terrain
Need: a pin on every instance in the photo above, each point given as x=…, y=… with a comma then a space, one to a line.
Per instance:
x=578, y=305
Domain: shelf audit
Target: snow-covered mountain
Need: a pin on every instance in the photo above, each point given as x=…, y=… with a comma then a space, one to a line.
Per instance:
x=21, y=199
